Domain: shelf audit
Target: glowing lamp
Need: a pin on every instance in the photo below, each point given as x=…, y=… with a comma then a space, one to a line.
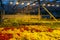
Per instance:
x=28, y=3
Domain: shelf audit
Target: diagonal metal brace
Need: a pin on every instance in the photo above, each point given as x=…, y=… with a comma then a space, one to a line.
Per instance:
x=49, y=13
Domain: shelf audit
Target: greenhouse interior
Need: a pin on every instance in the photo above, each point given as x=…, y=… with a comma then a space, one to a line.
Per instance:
x=29, y=19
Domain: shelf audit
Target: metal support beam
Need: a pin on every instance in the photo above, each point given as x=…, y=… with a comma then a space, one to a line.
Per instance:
x=39, y=9
x=49, y=13
x=0, y=12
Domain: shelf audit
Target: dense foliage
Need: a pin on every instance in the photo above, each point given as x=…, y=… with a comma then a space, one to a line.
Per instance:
x=29, y=33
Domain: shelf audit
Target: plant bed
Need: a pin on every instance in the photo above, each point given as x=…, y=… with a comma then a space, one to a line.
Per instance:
x=30, y=32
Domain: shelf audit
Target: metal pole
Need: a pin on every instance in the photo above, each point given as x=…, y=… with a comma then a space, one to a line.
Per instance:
x=49, y=13
x=39, y=10
x=1, y=12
